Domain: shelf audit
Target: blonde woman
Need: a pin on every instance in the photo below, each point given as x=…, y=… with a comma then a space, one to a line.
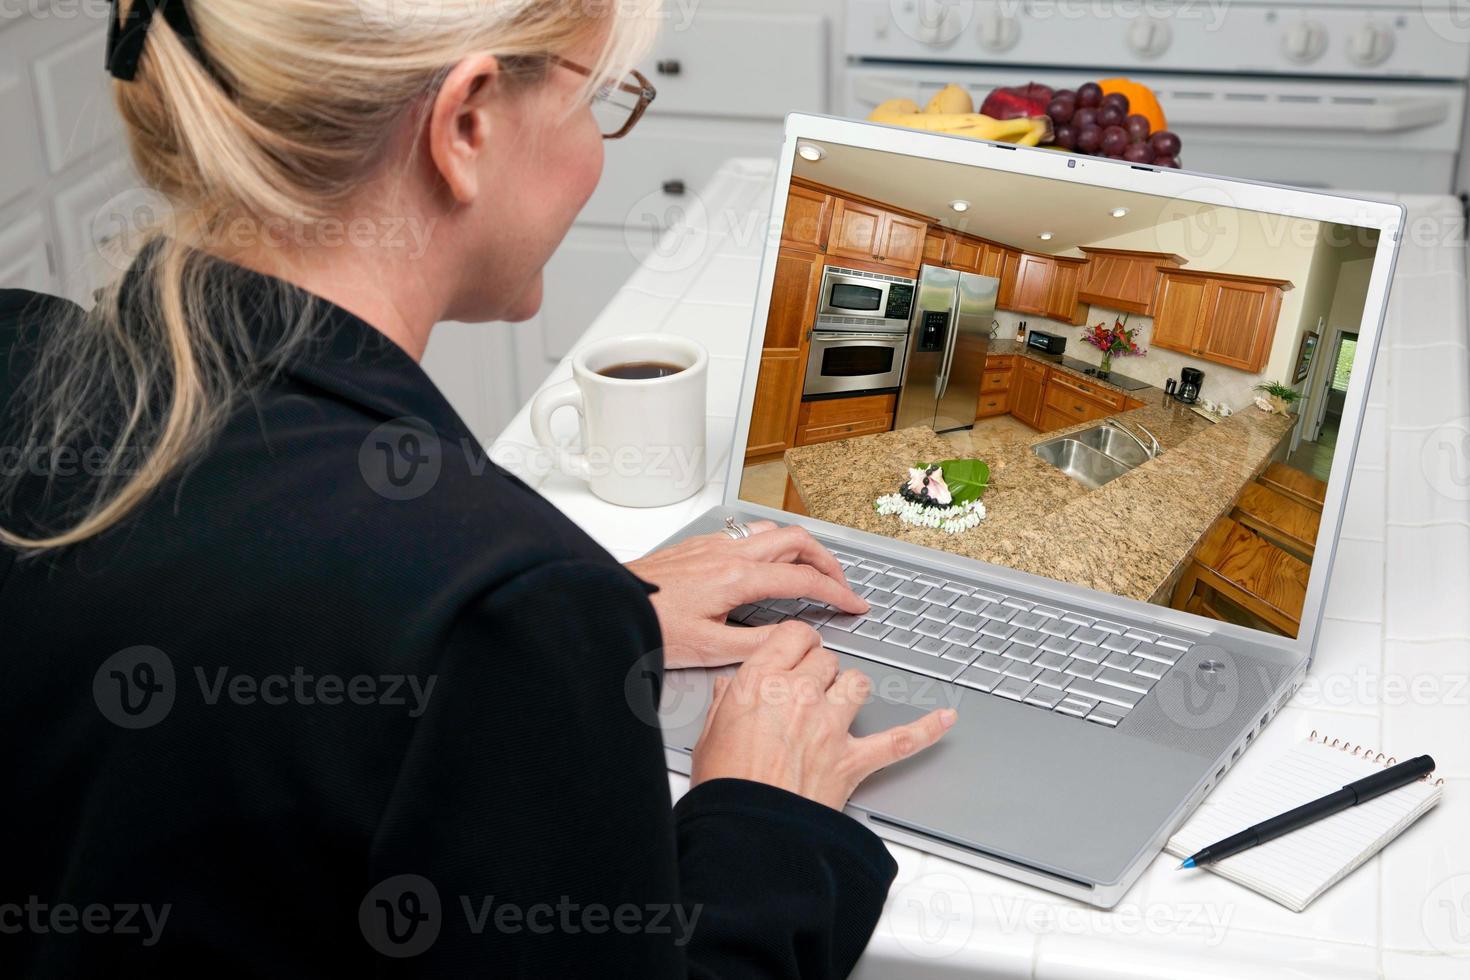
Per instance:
x=275, y=706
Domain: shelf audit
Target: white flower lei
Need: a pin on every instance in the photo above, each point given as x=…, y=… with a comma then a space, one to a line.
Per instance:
x=950, y=520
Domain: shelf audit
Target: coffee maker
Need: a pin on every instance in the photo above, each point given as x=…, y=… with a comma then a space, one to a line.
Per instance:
x=1189, y=381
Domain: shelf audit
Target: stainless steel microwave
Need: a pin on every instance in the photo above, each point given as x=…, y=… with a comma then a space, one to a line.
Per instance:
x=856, y=300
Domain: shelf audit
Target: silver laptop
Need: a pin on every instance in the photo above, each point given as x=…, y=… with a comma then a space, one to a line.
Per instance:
x=1099, y=699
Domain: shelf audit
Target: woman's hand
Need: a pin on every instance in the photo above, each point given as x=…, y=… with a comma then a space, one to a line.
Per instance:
x=701, y=579
x=784, y=720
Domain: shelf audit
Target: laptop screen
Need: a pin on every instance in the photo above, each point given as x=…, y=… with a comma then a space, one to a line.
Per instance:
x=1135, y=394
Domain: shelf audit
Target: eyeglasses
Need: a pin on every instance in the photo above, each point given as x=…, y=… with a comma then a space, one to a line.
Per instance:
x=617, y=107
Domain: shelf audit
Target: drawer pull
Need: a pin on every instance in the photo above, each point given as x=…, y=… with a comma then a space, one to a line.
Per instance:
x=674, y=187
x=668, y=66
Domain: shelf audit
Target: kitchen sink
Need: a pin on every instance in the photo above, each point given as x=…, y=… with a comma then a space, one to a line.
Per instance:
x=1083, y=463
x=1112, y=442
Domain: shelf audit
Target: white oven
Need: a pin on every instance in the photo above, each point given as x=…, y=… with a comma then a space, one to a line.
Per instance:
x=1364, y=97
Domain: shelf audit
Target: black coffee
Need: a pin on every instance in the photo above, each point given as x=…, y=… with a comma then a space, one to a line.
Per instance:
x=640, y=370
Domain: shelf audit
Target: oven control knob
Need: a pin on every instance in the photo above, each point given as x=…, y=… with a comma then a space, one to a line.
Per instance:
x=1149, y=37
x=1370, y=45
x=1304, y=41
x=937, y=24
x=999, y=31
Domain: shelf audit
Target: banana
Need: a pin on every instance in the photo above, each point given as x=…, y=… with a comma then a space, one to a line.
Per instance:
x=894, y=107
x=951, y=98
x=971, y=124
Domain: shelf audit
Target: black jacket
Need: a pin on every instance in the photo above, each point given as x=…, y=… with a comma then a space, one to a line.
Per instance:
x=344, y=698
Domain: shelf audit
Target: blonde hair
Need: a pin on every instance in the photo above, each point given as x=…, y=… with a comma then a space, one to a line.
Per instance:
x=292, y=113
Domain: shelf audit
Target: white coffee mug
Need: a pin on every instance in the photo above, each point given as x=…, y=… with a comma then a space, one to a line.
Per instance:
x=642, y=439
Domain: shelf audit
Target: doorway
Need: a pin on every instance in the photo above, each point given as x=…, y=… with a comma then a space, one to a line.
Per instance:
x=1314, y=454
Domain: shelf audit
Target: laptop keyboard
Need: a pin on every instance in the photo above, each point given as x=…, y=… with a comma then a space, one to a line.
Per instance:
x=1044, y=656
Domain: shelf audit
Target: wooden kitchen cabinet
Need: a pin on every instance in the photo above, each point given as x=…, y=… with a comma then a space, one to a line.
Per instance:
x=1075, y=401
x=1218, y=317
x=995, y=387
x=1033, y=284
x=869, y=233
x=1122, y=279
x=1010, y=269
x=794, y=295
x=808, y=218
x=1061, y=297
x=936, y=248
x=902, y=241
x=826, y=419
x=992, y=260
x=965, y=253
x=1028, y=386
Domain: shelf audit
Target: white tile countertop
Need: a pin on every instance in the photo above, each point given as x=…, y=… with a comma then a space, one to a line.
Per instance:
x=1392, y=669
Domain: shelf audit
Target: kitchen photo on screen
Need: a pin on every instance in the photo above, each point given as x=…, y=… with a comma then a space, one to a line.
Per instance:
x=1126, y=392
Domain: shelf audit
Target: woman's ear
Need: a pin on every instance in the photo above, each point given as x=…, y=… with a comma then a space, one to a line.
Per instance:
x=458, y=132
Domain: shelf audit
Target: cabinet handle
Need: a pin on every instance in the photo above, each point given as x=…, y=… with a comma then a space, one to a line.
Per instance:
x=675, y=187
x=669, y=66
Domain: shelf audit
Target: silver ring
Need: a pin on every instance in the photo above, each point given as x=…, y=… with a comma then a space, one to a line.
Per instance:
x=735, y=530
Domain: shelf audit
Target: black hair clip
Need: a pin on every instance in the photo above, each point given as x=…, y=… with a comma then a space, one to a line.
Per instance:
x=125, y=38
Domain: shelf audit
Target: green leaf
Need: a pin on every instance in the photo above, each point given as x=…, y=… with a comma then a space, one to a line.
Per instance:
x=966, y=478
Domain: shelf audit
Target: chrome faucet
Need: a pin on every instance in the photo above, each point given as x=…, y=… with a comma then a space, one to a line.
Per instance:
x=1151, y=449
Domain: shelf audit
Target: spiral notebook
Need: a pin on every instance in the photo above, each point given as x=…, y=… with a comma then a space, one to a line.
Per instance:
x=1297, y=867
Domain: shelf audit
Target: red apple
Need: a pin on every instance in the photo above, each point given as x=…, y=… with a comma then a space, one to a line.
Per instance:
x=1013, y=101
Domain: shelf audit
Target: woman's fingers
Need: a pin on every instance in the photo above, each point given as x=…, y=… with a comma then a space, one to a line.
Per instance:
x=722, y=684
x=849, y=693
x=760, y=527
x=777, y=580
x=819, y=664
x=794, y=544
x=786, y=645
x=873, y=752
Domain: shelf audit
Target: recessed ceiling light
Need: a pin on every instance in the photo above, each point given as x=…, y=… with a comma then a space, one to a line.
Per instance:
x=1045, y=236
x=809, y=152
x=960, y=205
x=1119, y=212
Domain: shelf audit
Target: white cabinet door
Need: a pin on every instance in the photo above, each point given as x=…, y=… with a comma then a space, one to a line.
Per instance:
x=24, y=259
x=740, y=63
x=664, y=163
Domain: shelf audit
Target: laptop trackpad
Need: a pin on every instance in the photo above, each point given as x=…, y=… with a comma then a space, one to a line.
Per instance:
x=879, y=715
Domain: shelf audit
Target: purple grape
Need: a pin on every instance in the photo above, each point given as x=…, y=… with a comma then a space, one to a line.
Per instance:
x=1137, y=127
x=1085, y=116
x=1089, y=138
x=1138, y=153
x=1114, y=140
x=1165, y=143
x=1166, y=162
x=1064, y=93
x=1118, y=99
x=1089, y=95
x=1064, y=136
x=1061, y=110
x=1110, y=115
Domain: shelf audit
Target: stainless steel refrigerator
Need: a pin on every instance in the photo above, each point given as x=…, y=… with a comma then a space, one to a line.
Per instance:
x=948, y=335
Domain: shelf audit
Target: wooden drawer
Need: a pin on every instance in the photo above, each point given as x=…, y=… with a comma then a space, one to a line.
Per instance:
x=841, y=418
x=1107, y=396
x=1077, y=407
x=1051, y=418
x=992, y=381
x=1031, y=367
x=999, y=362
x=993, y=403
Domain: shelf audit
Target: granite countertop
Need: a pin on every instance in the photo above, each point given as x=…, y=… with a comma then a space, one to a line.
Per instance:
x=999, y=347
x=1128, y=537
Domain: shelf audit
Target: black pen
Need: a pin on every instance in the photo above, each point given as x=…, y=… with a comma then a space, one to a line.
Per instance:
x=1350, y=795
